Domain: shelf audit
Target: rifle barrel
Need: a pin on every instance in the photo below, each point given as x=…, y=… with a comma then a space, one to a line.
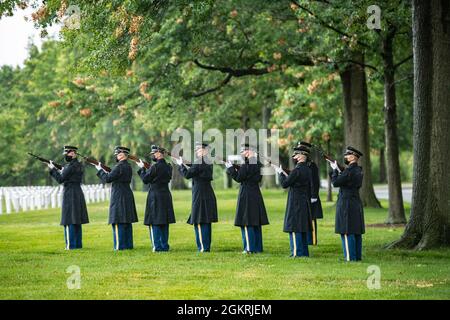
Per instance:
x=95, y=162
x=186, y=165
x=327, y=157
x=285, y=171
x=57, y=165
x=136, y=160
x=236, y=166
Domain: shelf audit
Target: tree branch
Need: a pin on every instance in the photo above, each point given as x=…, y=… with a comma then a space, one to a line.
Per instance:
x=364, y=65
x=230, y=73
x=403, y=61
x=233, y=72
x=202, y=93
x=328, y=26
x=409, y=76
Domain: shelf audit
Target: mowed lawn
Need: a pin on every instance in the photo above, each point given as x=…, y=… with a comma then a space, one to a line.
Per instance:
x=33, y=262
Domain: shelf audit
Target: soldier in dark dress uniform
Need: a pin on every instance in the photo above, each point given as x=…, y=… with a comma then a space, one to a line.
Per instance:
x=122, y=209
x=74, y=212
x=250, y=212
x=159, y=209
x=316, y=204
x=204, y=204
x=349, y=209
x=298, y=220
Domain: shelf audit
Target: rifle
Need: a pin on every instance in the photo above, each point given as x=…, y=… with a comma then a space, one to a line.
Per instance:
x=136, y=160
x=236, y=166
x=57, y=166
x=176, y=158
x=285, y=171
x=327, y=157
x=95, y=163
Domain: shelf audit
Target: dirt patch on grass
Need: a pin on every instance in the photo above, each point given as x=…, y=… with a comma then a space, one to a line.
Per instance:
x=386, y=225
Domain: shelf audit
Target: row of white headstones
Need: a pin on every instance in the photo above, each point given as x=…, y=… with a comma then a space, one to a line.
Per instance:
x=30, y=198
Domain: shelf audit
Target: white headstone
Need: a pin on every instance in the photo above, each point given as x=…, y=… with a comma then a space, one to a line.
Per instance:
x=8, y=202
x=53, y=198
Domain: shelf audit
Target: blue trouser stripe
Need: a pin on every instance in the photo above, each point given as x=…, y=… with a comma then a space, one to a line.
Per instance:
x=73, y=236
x=352, y=246
x=159, y=235
x=203, y=236
x=298, y=242
x=123, y=236
x=252, y=238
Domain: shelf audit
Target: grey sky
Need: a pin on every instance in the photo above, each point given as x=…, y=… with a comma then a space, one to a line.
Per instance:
x=15, y=35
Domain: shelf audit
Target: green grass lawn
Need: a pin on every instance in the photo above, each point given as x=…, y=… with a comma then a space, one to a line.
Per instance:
x=33, y=261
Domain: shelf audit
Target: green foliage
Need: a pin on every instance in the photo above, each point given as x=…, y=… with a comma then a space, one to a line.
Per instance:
x=135, y=71
x=12, y=124
x=313, y=110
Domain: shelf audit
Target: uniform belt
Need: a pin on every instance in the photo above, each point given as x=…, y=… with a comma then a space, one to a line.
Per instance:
x=303, y=189
x=350, y=194
x=160, y=187
x=202, y=181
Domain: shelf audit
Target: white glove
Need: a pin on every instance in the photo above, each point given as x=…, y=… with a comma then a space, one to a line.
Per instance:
x=279, y=169
x=179, y=161
x=99, y=166
x=334, y=165
x=51, y=165
x=313, y=200
x=140, y=164
x=228, y=164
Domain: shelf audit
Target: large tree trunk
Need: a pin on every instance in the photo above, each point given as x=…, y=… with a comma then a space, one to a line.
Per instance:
x=382, y=176
x=357, y=123
x=396, y=213
x=429, y=225
x=436, y=227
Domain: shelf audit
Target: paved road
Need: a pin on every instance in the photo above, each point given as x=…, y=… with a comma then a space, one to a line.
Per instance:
x=382, y=192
